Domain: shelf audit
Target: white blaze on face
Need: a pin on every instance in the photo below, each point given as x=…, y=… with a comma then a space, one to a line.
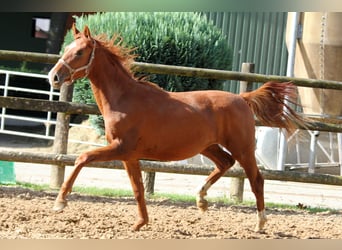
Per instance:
x=52, y=72
x=71, y=46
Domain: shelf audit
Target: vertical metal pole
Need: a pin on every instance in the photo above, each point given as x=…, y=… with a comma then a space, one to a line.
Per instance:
x=299, y=159
x=331, y=147
x=289, y=72
x=48, y=118
x=3, y=110
x=60, y=145
x=237, y=184
x=312, y=158
x=339, y=147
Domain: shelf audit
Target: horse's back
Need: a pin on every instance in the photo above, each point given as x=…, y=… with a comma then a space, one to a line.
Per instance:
x=218, y=105
x=232, y=119
x=178, y=125
x=229, y=113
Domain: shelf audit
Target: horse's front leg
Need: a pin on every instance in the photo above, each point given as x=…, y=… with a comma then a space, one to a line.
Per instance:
x=134, y=174
x=102, y=154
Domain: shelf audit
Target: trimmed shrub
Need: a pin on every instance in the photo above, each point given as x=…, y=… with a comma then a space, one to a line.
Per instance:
x=172, y=38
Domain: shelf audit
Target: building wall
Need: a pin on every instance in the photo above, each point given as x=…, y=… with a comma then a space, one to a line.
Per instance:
x=18, y=34
x=17, y=31
x=255, y=37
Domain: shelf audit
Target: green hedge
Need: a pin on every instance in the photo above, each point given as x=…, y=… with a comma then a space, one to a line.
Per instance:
x=172, y=38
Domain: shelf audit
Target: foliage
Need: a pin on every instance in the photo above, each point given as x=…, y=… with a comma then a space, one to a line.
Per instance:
x=172, y=38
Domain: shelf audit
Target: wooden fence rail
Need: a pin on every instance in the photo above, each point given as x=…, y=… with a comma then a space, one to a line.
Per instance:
x=79, y=108
x=170, y=167
x=46, y=105
x=183, y=71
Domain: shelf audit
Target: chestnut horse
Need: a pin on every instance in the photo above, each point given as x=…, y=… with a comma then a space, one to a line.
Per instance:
x=142, y=121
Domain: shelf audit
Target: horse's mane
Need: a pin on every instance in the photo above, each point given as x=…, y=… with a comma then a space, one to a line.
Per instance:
x=123, y=54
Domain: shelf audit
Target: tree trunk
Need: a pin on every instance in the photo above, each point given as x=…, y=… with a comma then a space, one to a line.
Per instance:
x=56, y=32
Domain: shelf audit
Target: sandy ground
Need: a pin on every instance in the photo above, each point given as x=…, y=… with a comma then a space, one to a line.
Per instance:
x=27, y=214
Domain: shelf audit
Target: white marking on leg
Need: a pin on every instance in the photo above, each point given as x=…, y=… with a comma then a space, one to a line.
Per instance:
x=203, y=188
x=261, y=220
x=202, y=203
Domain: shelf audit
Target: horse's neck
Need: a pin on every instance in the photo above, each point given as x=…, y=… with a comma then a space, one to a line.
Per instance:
x=109, y=84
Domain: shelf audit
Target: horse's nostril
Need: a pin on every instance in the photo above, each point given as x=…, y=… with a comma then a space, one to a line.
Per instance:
x=56, y=78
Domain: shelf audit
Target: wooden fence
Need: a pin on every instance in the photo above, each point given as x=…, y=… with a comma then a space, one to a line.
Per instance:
x=169, y=167
x=184, y=71
x=66, y=107
x=320, y=124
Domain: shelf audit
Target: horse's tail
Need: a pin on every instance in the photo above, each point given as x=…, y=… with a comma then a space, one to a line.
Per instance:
x=270, y=104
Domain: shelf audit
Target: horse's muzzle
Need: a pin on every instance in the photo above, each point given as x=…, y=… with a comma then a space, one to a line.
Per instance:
x=56, y=80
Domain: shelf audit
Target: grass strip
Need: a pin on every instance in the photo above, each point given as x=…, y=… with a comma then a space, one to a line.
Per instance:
x=170, y=197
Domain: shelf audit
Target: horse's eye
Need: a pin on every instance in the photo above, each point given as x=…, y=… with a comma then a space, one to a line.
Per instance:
x=79, y=52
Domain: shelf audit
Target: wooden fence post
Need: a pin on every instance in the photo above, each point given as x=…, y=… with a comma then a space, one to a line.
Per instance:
x=149, y=178
x=237, y=184
x=60, y=144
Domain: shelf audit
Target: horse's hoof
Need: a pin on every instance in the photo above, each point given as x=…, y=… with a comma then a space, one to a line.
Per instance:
x=59, y=206
x=138, y=225
x=262, y=219
x=202, y=204
x=136, y=228
x=259, y=229
x=260, y=226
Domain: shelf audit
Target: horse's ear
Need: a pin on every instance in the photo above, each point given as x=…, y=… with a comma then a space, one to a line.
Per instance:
x=86, y=32
x=75, y=31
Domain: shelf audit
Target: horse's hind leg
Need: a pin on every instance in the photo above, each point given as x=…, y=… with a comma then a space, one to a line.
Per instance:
x=256, y=181
x=223, y=162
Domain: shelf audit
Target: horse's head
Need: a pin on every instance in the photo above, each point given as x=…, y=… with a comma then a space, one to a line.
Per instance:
x=76, y=61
